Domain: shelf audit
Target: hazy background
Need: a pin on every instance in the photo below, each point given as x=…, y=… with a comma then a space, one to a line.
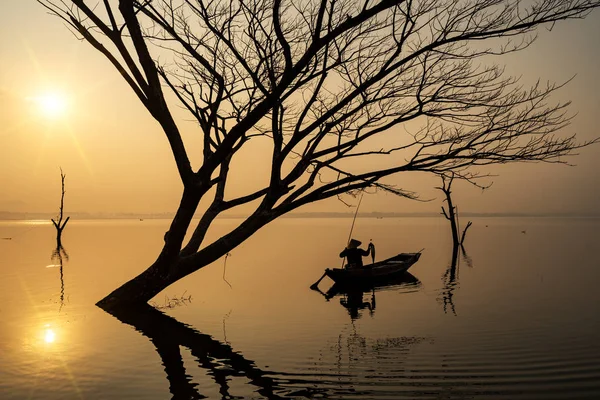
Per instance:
x=117, y=159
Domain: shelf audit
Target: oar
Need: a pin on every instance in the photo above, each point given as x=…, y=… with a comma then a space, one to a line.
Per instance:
x=315, y=286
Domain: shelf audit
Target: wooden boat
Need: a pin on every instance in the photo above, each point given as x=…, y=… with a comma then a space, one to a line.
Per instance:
x=379, y=271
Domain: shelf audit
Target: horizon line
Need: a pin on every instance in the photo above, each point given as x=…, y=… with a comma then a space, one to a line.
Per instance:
x=17, y=215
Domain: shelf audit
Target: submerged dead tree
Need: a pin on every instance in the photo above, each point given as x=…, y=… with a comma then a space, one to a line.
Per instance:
x=59, y=224
x=451, y=213
x=450, y=277
x=325, y=86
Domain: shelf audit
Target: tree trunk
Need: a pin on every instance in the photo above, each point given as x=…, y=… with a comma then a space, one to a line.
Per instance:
x=159, y=275
x=453, y=225
x=58, y=238
x=174, y=264
x=140, y=289
x=451, y=214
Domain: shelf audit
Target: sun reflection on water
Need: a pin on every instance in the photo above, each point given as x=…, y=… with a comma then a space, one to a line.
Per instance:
x=49, y=335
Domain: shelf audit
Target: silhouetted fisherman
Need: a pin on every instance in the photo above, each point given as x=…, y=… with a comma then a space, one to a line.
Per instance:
x=354, y=254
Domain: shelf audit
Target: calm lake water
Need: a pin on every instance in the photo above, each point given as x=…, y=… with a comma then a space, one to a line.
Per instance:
x=517, y=319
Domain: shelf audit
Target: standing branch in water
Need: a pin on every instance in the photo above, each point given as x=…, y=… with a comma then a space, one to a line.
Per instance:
x=60, y=224
x=462, y=238
x=451, y=214
x=450, y=278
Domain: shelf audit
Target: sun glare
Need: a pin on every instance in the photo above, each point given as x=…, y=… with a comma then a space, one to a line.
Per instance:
x=51, y=105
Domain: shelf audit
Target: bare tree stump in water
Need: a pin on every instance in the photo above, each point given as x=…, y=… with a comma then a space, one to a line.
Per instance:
x=452, y=213
x=60, y=224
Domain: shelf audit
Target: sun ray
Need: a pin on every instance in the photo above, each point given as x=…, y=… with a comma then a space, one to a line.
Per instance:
x=79, y=149
x=33, y=58
x=41, y=153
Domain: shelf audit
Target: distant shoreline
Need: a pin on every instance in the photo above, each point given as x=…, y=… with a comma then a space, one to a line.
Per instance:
x=12, y=216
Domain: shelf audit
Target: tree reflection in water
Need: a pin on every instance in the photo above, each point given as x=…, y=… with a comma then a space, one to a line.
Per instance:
x=223, y=363
x=167, y=334
x=450, y=278
x=59, y=255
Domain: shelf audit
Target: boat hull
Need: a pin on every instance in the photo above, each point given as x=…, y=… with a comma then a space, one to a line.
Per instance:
x=404, y=280
x=377, y=272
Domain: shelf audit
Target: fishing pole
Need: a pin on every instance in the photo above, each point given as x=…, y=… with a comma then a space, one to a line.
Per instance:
x=352, y=227
x=315, y=286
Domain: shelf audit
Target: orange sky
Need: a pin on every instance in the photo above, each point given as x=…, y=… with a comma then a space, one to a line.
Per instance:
x=117, y=159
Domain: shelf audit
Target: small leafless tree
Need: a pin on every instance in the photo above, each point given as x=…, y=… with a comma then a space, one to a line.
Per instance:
x=451, y=213
x=59, y=224
x=344, y=92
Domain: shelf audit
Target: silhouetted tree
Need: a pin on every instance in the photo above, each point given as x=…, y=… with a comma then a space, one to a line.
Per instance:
x=323, y=82
x=451, y=213
x=450, y=278
x=59, y=224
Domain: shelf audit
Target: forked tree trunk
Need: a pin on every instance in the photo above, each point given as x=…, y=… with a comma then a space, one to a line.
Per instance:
x=453, y=220
x=59, y=224
x=164, y=272
x=159, y=275
x=451, y=215
x=174, y=264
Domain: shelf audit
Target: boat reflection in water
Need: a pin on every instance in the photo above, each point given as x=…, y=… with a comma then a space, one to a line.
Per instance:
x=352, y=295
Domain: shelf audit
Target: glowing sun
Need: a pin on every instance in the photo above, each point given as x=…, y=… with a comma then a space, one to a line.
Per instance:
x=51, y=105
